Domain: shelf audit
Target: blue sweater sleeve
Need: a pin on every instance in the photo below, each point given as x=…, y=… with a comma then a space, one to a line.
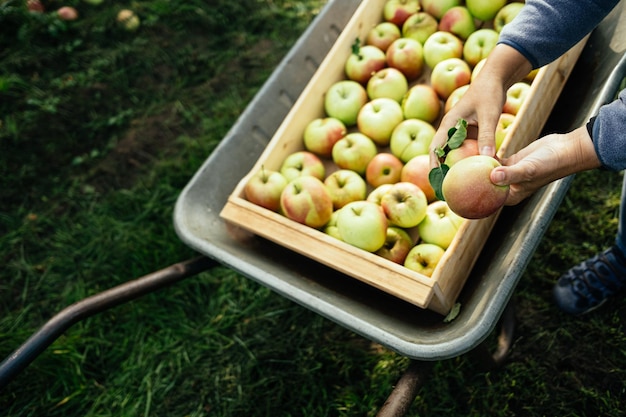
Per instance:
x=608, y=135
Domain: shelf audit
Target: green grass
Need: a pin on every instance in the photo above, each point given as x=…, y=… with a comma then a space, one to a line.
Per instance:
x=101, y=129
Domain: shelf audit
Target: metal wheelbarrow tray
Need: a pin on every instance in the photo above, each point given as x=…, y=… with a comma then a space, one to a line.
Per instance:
x=409, y=330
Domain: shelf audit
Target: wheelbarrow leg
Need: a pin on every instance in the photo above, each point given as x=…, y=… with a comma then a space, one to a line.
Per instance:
x=482, y=353
x=405, y=391
x=51, y=330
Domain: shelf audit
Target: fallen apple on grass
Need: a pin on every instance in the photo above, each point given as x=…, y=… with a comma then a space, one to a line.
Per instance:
x=345, y=186
x=264, y=189
x=404, y=204
x=306, y=200
x=363, y=224
x=128, y=20
x=424, y=258
x=398, y=244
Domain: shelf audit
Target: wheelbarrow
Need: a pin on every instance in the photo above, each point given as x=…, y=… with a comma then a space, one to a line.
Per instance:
x=421, y=335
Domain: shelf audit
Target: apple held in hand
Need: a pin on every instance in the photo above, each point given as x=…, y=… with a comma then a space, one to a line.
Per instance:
x=384, y=168
x=468, y=190
x=479, y=44
x=484, y=9
x=424, y=258
x=321, y=134
x=416, y=171
x=397, y=245
x=302, y=163
x=307, y=201
x=388, y=83
x=406, y=55
x=458, y=21
x=344, y=100
x=378, y=118
x=264, y=189
x=354, y=151
x=404, y=204
x=421, y=102
x=363, y=62
x=419, y=26
x=382, y=35
x=438, y=8
x=440, y=46
x=363, y=224
x=469, y=147
x=410, y=138
x=515, y=96
x=506, y=15
x=345, y=186
x=448, y=75
x=505, y=123
x=440, y=225
x=397, y=11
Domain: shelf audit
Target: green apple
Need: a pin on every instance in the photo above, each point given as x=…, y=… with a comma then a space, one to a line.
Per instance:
x=469, y=147
x=454, y=97
x=264, y=188
x=416, y=171
x=345, y=186
x=479, y=45
x=378, y=118
x=307, y=201
x=384, y=168
x=321, y=134
x=468, y=190
x=506, y=14
x=331, y=228
x=376, y=195
x=419, y=26
x=343, y=100
x=93, y=2
x=354, y=151
x=363, y=62
x=382, y=35
x=484, y=9
x=397, y=11
x=438, y=8
x=363, y=224
x=424, y=258
x=397, y=246
x=421, y=102
x=458, y=21
x=448, y=75
x=406, y=55
x=404, y=204
x=515, y=97
x=440, y=225
x=410, y=138
x=302, y=163
x=442, y=45
x=128, y=20
x=388, y=82
x=504, y=127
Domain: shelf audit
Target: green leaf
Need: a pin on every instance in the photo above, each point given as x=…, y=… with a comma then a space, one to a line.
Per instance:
x=435, y=177
x=458, y=136
x=356, y=46
x=454, y=312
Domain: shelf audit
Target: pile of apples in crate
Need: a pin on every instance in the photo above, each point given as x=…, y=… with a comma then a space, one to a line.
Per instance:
x=363, y=174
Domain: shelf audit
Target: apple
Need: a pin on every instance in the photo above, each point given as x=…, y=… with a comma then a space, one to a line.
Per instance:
x=388, y=82
x=477, y=68
x=345, y=186
x=35, y=6
x=404, y=204
x=506, y=14
x=331, y=228
x=264, y=188
x=384, y=168
x=321, y=134
x=363, y=62
x=530, y=77
x=419, y=26
x=343, y=100
x=410, y=138
x=454, y=97
x=448, y=75
x=302, y=163
x=378, y=118
x=397, y=11
x=438, y=8
x=398, y=244
x=442, y=45
x=416, y=171
x=363, y=224
x=515, y=97
x=458, y=21
x=469, y=147
x=505, y=123
x=440, y=225
x=406, y=55
x=468, y=190
x=307, y=201
x=484, y=9
x=128, y=20
x=67, y=13
x=376, y=195
x=354, y=151
x=382, y=35
x=479, y=44
x=424, y=258
x=421, y=102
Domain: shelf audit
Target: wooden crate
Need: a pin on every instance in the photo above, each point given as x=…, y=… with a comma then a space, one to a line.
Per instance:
x=438, y=292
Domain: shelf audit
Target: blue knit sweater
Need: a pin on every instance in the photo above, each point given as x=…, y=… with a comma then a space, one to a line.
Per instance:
x=546, y=29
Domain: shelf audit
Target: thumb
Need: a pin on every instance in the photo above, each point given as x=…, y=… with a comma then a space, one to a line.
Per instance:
x=500, y=176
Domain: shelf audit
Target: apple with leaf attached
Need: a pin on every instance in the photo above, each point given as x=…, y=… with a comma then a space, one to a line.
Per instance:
x=364, y=61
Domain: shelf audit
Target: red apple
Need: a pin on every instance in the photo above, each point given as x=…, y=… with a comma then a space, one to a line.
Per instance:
x=362, y=224
x=363, y=62
x=35, y=6
x=307, y=201
x=388, y=82
x=406, y=55
x=398, y=244
x=438, y=8
x=384, y=168
x=397, y=11
x=302, y=163
x=448, y=75
x=354, y=151
x=264, y=189
x=416, y=171
x=468, y=190
x=345, y=186
x=469, y=147
x=67, y=13
x=404, y=204
x=458, y=21
x=321, y=134
x=421, y=102
x=442, y=45
x=419, y=26
x=378, y=118
x=382, y=35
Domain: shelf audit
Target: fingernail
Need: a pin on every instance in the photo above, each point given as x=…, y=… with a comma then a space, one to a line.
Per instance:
x=487, y=150
x=497, y=177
